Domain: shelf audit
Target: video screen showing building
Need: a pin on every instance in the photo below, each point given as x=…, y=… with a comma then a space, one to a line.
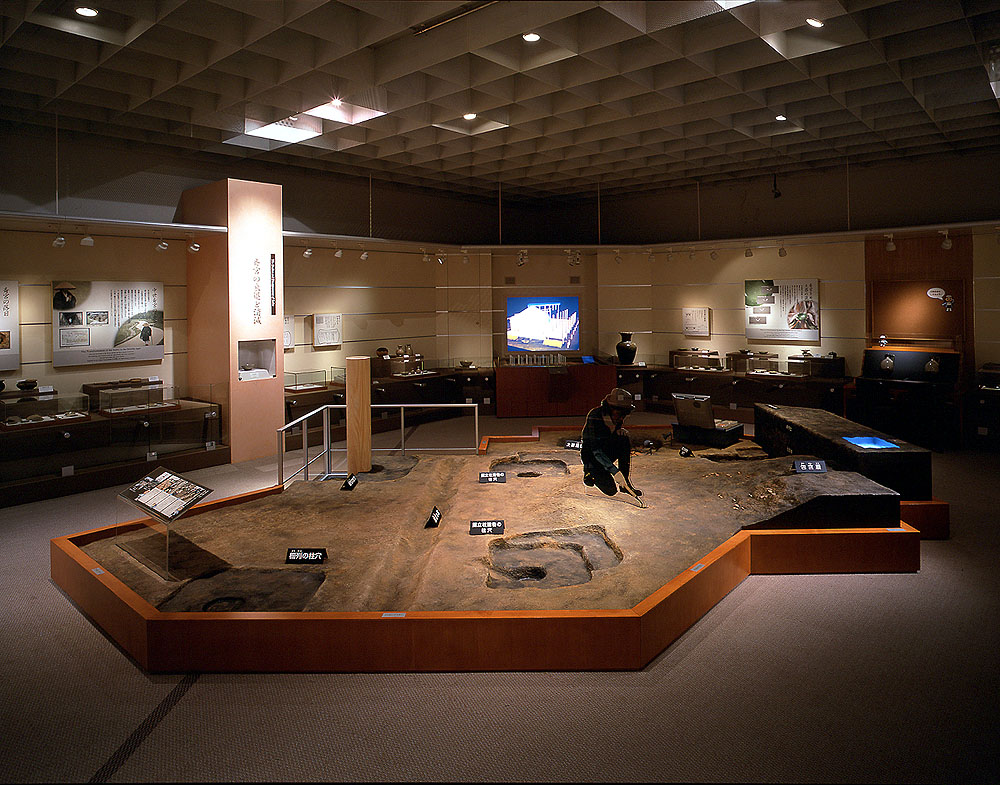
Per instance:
x=543, y=324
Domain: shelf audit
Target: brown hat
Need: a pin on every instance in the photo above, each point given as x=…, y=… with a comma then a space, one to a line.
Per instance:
x=620, y=399
x=64, y=285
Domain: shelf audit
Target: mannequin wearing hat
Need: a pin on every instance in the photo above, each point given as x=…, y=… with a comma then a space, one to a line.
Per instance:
x=606, y=449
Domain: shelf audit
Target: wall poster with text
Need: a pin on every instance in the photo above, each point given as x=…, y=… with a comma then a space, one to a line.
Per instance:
x=10, y=333
x=782, y=310
x=106, y=322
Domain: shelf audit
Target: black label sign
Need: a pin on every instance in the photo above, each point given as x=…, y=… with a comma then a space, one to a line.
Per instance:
x=574, y=444
x=305, y=556
x=492, y=476
x=809, y=467
x=350, y=483
x=485, y=527
x=434, y=520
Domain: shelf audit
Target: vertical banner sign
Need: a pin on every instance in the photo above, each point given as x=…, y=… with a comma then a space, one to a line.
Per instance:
x=274, y=293
x=256, y=291
x=10, y=333
x=106, y=322
x=782, y=310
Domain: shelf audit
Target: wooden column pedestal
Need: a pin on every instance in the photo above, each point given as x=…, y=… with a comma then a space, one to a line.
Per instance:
x=359, y=417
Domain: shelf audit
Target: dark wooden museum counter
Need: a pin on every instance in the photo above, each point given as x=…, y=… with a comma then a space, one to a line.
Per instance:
x=552, y=391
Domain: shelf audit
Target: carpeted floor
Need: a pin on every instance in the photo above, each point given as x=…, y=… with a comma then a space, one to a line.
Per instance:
x=872, y=678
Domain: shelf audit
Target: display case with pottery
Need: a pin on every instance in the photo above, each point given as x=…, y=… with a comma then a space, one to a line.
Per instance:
x=43, y=410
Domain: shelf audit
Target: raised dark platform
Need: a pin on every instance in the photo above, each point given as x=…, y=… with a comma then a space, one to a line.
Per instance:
x=787, y=430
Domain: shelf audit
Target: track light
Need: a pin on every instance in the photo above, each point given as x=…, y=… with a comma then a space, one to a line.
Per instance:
x=307, y=252
x=87, y=240
x=748, y=253
x=618, y=256
x=441, y=257
x=59, y=242
x=469, y=116
x=774, y=188
x=813, y=22
x=338, y=253
x=522, y=257
x=782, y=252
x=364, y=256
x=889, y=244
x=714, y=255
x=194, y=247
x=162, y=245
x=691, y=254
x=946, y=242
x=531, y=37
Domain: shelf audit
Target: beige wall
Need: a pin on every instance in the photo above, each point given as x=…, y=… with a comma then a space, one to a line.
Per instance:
x=986, y=293
x=647, y=298
x=457, y=310
x=30, y=259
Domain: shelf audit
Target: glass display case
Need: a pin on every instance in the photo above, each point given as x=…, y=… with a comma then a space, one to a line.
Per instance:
x=40, y=410
x=256, y=359
x=827, y=366
x=135, y=400
x=299, y=381
x=696, y=360
x=338, y=374
x=770, y=365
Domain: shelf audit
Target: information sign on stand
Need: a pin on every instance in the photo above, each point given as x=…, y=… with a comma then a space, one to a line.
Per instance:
x=574, y=444
x=809, y=467
x=163, y=495
x=434, y=519
x=350, y=483
x=492, y=476
x=485, y=527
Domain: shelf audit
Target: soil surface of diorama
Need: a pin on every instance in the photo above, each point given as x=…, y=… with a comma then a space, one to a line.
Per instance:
x=565, y=545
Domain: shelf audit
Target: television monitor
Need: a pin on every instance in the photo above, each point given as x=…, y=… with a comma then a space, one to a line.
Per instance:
x=543, y=324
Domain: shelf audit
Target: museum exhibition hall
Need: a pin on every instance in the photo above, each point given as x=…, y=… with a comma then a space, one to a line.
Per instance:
x=476, y=391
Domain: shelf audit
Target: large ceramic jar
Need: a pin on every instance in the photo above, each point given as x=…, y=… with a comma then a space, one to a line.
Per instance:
x=626, y=349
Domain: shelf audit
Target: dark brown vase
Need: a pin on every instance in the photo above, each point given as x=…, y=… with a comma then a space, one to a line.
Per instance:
x=626, y=349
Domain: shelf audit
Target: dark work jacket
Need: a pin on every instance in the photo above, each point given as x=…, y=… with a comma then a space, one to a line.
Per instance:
x=601, y=444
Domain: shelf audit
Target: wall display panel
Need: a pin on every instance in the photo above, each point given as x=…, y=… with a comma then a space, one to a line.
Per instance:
x=328, y=329
x=547, y=323
x=10, y=333
x=782, y=309
x=288, y=332
x=96, y=322
x=695, y=322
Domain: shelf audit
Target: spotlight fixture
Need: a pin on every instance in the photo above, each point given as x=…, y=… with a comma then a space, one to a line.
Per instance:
x=618, y=256
x=889, y=244
x=441, y=257
x=364, y=256
x=87, y=11
x=748, y=253
x=813, y=22
x=522, y=257
x=652, y=258
x=782, y=252
x=59, y=242
x=670, y=254
x=162, y=245
x=946, y=242
x=714, y=255
x=307, y=252
x=469, y=116
x=780, y=118
x=774, y=187
x=531, y=37
x=194, y=247
x=87, y=240
x=691, y=254
x=426, y=257
x=465, y=258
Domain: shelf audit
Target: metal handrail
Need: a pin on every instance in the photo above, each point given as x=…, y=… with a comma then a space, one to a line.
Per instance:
x=328, y=450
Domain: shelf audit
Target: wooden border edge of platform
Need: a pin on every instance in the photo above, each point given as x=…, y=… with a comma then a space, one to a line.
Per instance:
x=428, y=641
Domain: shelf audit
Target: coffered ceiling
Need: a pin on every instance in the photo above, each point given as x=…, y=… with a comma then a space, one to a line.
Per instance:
x=628, y=95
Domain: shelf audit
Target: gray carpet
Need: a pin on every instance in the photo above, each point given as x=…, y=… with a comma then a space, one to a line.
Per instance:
x=873, y=678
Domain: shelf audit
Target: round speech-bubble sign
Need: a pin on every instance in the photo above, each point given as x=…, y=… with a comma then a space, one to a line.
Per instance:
x=936, y=292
